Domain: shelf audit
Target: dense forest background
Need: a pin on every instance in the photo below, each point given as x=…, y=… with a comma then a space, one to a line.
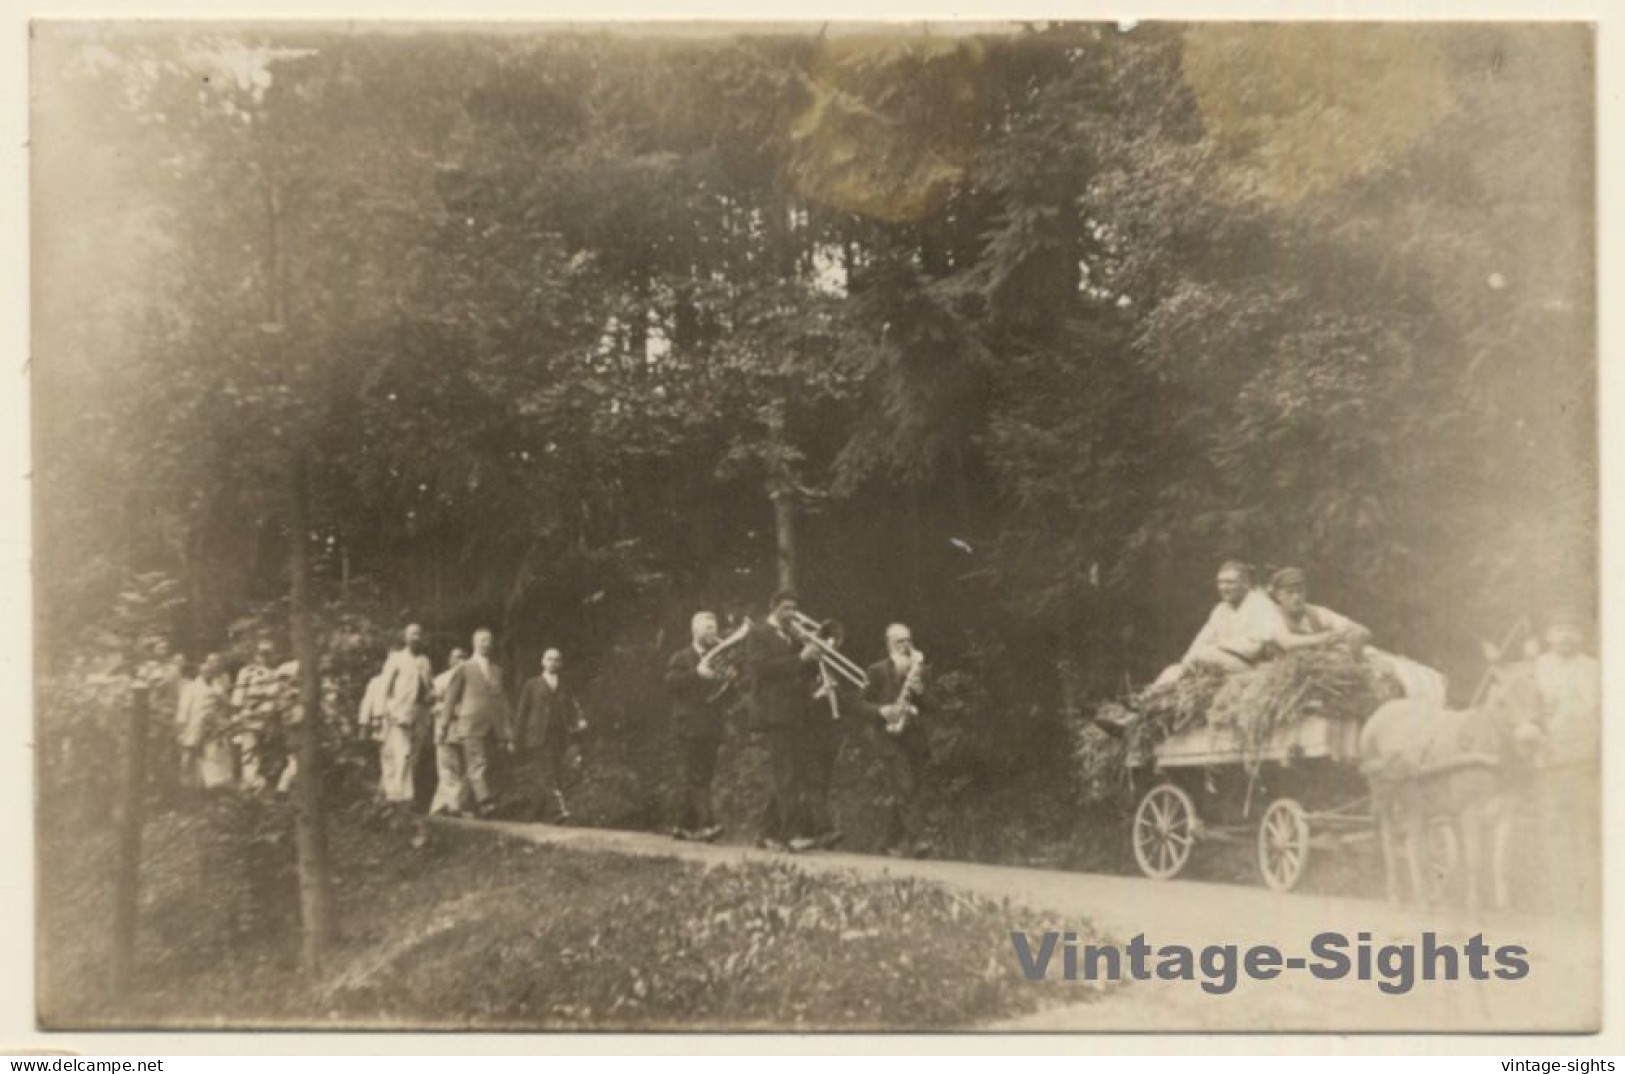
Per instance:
x=1012, y=336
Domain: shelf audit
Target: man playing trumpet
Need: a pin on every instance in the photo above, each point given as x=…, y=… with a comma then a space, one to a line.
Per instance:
x=893, y=699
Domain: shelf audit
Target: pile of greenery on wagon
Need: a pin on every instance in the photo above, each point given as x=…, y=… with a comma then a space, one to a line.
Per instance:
x=1254, y=705
x=1332, y=683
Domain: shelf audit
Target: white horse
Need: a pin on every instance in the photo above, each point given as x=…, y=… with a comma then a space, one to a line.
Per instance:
x=1426, y=764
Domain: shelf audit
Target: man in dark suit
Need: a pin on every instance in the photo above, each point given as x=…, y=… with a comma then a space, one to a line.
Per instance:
x=784, y=674
x=549, y=714
x=476, y=720
x=895, y=699
x=824, y=721
x=696, y=717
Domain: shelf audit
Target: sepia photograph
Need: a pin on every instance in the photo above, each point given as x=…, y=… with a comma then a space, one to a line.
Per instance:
x=815, y=527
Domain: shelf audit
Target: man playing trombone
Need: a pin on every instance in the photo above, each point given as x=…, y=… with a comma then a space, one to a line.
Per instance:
x=821, y=738
x=893, y=701
x=784, y=674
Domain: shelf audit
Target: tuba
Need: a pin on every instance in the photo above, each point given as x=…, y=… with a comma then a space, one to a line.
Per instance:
x=724, y=658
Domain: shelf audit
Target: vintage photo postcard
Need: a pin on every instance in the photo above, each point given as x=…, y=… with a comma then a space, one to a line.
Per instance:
x=1066, y=526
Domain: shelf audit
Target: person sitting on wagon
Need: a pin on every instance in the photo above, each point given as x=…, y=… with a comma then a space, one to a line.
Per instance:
x=1309, y=626
x=1238, y=631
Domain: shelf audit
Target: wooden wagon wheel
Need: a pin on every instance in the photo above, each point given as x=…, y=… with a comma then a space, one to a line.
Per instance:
x=1283, y=844
x=1164, y=831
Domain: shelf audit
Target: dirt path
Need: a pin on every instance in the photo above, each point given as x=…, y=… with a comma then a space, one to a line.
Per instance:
x=1562, y=992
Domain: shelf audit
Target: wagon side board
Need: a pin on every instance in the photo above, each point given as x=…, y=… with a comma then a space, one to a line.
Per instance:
x=1311, y=738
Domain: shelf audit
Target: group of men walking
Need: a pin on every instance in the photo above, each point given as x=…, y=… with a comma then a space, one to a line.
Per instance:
x=799, y=711
x=463, y=715
x=439, y=734
x=240, y=732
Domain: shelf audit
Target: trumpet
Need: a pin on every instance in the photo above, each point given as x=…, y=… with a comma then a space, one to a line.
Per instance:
x=913, y=683
x=831, y=660
x=728, y=673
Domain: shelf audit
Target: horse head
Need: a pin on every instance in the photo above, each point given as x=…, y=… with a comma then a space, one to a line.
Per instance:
x=1507, y=720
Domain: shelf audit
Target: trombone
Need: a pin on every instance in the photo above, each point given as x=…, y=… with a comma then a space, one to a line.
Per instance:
x=830, y=659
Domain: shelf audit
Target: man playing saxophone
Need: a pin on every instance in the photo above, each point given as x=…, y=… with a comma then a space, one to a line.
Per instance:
x=893, y=701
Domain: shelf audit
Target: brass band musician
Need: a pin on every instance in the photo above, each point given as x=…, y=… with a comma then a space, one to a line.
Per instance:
x=697, y=691
x=821, y=742
x=784, y=674
x=893, y=701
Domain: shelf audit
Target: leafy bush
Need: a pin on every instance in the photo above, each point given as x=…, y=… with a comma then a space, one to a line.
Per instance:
x=488, y=932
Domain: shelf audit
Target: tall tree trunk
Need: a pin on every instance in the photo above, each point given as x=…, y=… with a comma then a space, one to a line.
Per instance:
x=318, y=923
x=781, y=489
x=784, y=528
x=127, y=906
x=916, y=528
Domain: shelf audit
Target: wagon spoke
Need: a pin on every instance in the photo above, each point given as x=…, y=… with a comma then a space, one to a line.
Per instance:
x=1163, y=831
x=1283, y=844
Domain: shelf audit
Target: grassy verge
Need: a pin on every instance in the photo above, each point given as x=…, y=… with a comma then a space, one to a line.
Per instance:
x=471, y=931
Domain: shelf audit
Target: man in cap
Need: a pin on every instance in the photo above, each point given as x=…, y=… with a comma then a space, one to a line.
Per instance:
x=821, y=741
x=1567, y=777
x=784, y=675
x=1308, y=626
x=1311, y=626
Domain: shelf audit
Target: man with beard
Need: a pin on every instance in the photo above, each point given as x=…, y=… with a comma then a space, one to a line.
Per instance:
x=893, y=702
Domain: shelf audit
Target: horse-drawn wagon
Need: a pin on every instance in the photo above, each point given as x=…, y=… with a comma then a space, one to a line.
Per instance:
x=1296, y=792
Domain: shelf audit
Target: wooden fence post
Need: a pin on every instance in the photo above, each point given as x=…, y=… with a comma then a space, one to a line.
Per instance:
x=127, y=882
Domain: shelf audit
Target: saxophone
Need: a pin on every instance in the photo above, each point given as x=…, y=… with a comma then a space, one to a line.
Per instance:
x=913, y=683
